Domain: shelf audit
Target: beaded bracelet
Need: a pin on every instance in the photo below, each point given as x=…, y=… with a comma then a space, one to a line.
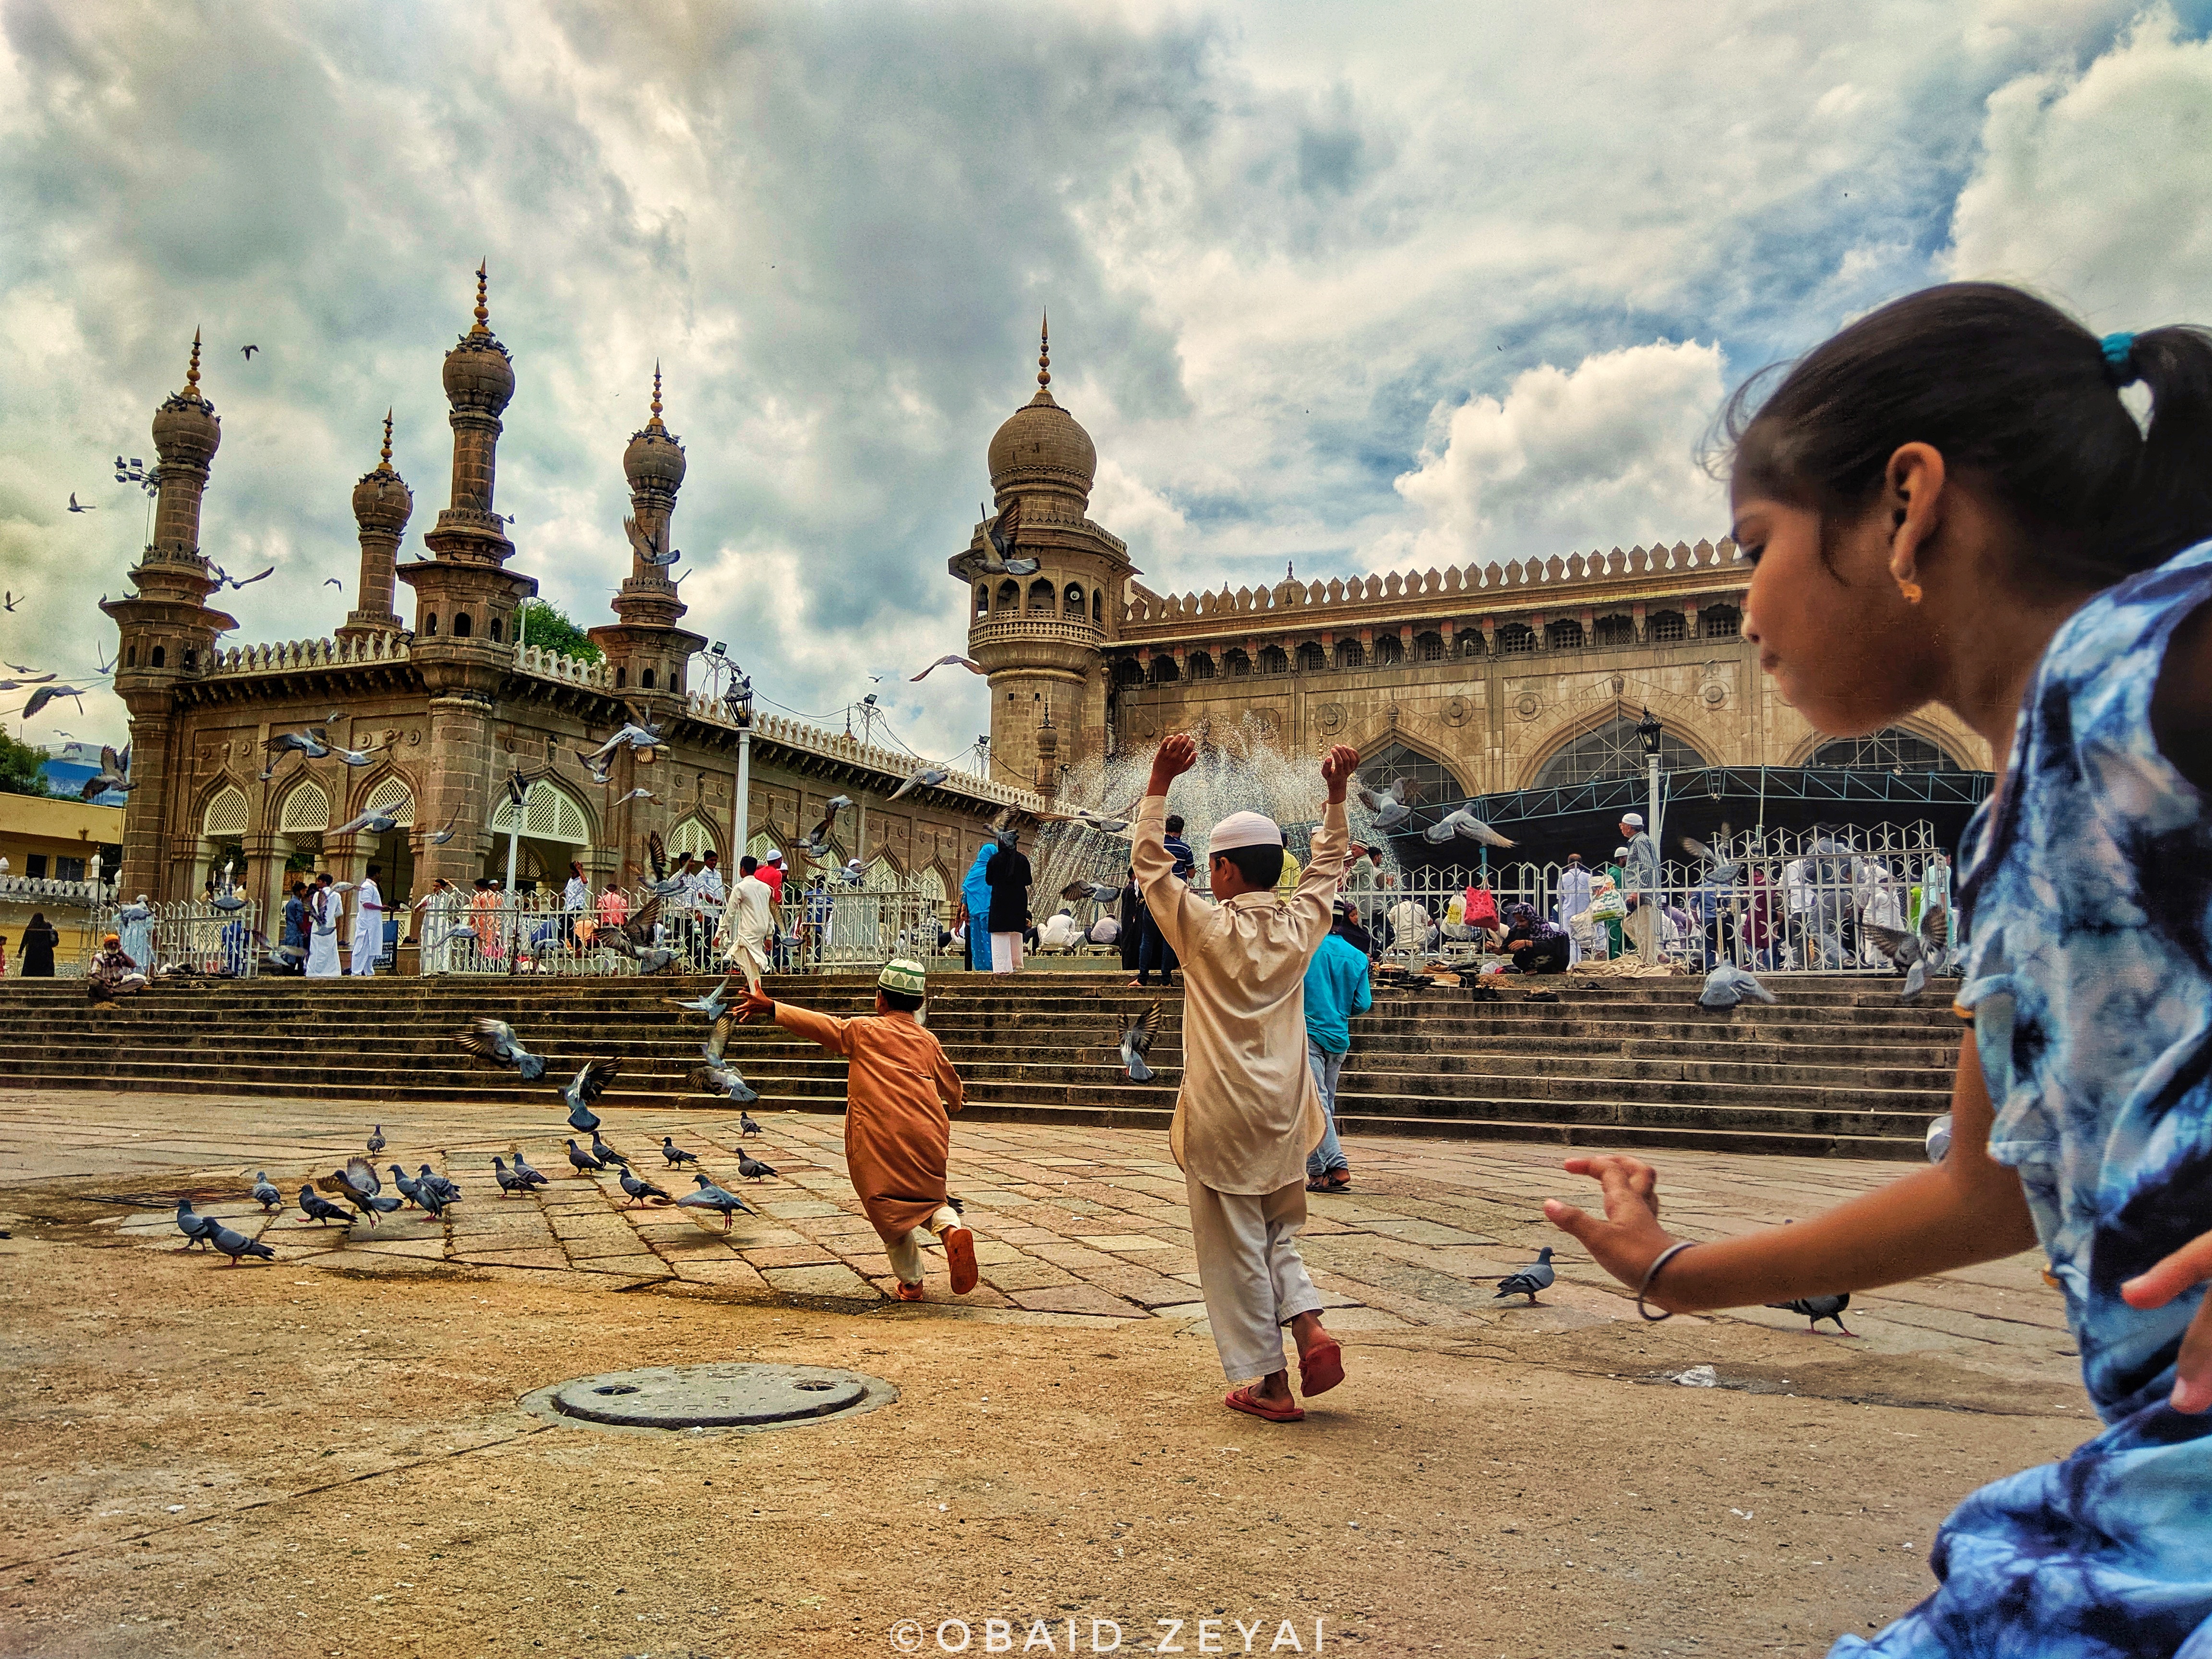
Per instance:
x=1651, y=1273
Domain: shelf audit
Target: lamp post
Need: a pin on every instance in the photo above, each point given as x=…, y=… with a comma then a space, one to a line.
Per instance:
x=739, y=701
x=1648, y=730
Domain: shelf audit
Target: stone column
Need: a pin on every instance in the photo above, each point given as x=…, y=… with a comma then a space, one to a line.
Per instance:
x=457, y=787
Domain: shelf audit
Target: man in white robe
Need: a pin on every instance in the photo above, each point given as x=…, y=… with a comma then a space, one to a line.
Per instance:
x=368, y=924
x=748, y=922
x=1574, y=899
x=326, y=904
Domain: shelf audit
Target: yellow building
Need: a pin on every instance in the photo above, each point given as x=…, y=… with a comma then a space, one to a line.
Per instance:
x=57, y=852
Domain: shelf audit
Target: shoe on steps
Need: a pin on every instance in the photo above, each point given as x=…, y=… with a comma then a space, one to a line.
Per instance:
x=960, y=1256
x=907, y=1292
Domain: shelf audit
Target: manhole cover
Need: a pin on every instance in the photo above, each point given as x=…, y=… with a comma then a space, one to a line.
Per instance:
x=725, y=1396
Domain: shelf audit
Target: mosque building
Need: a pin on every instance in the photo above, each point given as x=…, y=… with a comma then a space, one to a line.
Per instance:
x=1532, y=690
x=442, y=702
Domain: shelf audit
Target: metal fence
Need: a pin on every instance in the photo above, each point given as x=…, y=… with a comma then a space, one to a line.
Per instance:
x=194, y=935
x=1783, y=903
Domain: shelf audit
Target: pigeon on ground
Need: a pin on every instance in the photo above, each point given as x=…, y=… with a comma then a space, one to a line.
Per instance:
x=640, y=1189
x=582, y=1160
x=319, y=1210
x=265, y=1194
x=1388, y=806
x=723, y=1202
x=928, y=775
x=431, y=1201
x=508, y=1181
x=494, y=1040
x=195, y=1228
x=751, y=1168
x=606, y=1153
x=1137, y=1043
x=528, y=1176
x=427, y=1177
x=968, y=663
x=745, y=1124
x=590, y=1083
x=236, y=1244
x=410, y=1189
x=1536, y=1276
x=1918, y=954
x=1817, y=1308
x=676, y=1155
x=1727, y=985
x=376, y=1139
x=714, y=1004
x=359, y=1184
x=1939, y=1137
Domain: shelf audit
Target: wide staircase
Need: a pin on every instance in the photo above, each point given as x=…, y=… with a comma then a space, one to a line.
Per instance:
x=1838, y=1067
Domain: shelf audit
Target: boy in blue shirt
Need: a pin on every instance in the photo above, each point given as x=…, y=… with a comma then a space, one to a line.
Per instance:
x=1336, y=988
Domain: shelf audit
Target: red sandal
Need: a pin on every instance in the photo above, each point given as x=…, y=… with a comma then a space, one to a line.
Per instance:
x=960, y=1256
x=907, y=1292
x=1248, y=1401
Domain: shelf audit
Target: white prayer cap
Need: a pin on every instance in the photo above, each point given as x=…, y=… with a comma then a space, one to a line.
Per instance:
x=1244, y=830
x=773, y=857
x=1636, y=818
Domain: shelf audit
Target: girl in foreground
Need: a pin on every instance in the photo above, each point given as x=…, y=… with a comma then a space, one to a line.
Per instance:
x=1949, y=502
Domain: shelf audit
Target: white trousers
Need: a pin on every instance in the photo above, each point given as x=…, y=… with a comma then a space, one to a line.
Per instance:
x=1006, y=953
x=906, y=1255
x=367, y=946
x=1250, y=1273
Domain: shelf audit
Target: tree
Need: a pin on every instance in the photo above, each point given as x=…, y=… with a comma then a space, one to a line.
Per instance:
x=545, y=625
x=20, y=769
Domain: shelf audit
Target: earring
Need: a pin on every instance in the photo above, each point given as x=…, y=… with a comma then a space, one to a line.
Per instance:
x=1910, y=590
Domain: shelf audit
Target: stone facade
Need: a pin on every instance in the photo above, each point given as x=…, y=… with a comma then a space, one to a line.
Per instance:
x=447, y=706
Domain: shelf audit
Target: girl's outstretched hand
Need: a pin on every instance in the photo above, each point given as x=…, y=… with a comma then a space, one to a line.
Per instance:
x=2189, y=1265
x=1628, y=1238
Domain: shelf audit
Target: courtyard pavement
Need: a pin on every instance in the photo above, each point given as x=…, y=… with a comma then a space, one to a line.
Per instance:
x=1073, y=1225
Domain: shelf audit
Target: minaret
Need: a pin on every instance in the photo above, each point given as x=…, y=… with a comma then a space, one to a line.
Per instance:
x=167, y=631
x=465, y=604
x=382, y=504
x=1038, y=635
x=644, y=649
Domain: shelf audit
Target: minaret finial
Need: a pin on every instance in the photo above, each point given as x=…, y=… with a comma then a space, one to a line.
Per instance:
x=656, y=391
x=192, y=375
x=384, y=464
x=484, y=312
x=1044, y=352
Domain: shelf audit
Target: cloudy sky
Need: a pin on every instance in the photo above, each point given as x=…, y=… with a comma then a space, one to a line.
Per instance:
x=1358, y=287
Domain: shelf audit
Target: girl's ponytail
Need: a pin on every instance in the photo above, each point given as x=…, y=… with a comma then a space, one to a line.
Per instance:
x=2168, y=505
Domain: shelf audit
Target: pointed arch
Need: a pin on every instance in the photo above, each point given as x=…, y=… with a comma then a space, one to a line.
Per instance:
x=305, y=810
x=227, y=813
x=1611, y=748
x=393, y=796
x=693, y=837
x=548, y=813
x=1374, y=744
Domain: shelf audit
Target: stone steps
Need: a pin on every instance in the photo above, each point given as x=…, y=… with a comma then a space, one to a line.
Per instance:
x=1837, y=1067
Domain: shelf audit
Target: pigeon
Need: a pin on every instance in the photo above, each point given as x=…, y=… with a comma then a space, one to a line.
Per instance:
x=590, y=1083
x=508, y=1181
x=223, y=578
x=356, y=756
x=817, y=844
x=724, y=1080
x=714, y=1004
x=248, y=351
x=1536, y=1276
x=359, y=1184
x=237, y=1244
x=1727, y=985
x=1916, y=954
x=723, y=1202
x=439, y=837
x=114, y=774
x=76, y=506
x=494, y=1040
x=676, y=1155
x=432, y=1200
x=46, y=694
x=265, y=1194
x=606, y=1153
x=319, y=1210
x=376, y=823
x=410, y=1189
x=745, y=1124
x=1389, y=806
x=582, y=1160
x=968, y=663
x=751, y=1168
x=928, y=775
x=528, y=1176
x=629, y=734
x=1104, y=823
x=635, y=794
x=427, y=1177
x=640, y=1189
x=1103, y=892
x=1939, y=1137
x=1818, y=1308
x=1137, y=1043
x=662, y=884
x=1462, y=823
x=602, y=771
x=999, y=542
x=332, y=581
x=195, y=1228
x=1724, y=867
x=376, y=1139
x=647, y=547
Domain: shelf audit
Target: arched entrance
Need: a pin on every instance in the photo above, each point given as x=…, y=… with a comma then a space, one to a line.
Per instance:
x=555, y=828
x=394, y=850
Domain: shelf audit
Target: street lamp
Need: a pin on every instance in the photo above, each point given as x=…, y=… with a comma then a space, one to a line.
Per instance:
x=1648, y=730
x=738, y=701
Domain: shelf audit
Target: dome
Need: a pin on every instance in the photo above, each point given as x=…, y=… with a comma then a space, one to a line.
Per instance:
x=479, y=374
x=654, y=460
x=186, y=430
x=1041, y=443
x=381, y=501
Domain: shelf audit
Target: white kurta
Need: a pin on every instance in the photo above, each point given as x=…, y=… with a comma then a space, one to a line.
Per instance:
x=367, y=926
x=323, y=934
x=751, y=922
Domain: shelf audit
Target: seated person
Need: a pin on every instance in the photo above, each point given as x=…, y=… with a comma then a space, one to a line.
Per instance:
x=113, y=973
x=1535, y=945
x=1059, y=932
x=1105, y=931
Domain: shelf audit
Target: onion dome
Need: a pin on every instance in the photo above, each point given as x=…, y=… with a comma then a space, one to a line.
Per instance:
x=186, y=430
x=381, y=501
x=654, y=460
x=479, y=374
x=1040, y=446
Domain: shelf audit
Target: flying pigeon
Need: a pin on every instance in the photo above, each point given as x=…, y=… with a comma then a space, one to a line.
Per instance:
x=1389, y=806
x=816, y=844
x=724, y=1080
x=1939, y=1137
x=439, y=837
x=508, y=1181
x=248, y=351
x=224, y=579
x=376, y=1139
x=662, y=884
x=928, y=775
x=714, y=1004
x=635, y=794
x=529, y=1177
x=359, y=1184
x=648, y=548
x=1918, y=954
x=723, y=1202
x=602, y=771
x=1464, y=824
x=494, y=1040
x=318, y=1209
x=582, y=1160
x=751, y=1168
x=265, y=1194
x=76, y=506
x=376, y=823
x=968, y=663
x=745, y=1124
x=1724, y=867
x=46, y=694
x=1536, y=1276
x=114, y=774
x=629, y=734
x=590, y=1083
x=1727, y=985
x=332, y=581
x=676, y=1155
x=237, y=1244
x=640, y=1189
x=195, y=1228
x=1137, y=1043
x=1103, y=892
x=998, y=540
x=1818, y=1308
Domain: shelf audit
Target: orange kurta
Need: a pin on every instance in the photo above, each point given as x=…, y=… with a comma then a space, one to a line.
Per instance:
x=899, y=1089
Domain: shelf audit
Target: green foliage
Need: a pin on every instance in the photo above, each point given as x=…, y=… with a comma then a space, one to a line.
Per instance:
x=549, y=628
x=19, y=769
